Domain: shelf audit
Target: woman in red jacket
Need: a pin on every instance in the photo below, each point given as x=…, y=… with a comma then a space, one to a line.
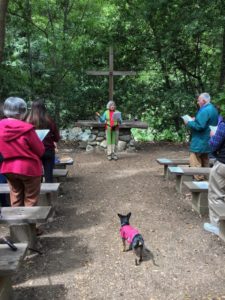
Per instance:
x=20, y=154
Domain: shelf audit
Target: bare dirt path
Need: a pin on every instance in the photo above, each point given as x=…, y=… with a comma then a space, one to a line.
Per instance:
x=82, y=248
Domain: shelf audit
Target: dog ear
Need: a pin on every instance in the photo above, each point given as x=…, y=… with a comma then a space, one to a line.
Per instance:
x=119, y=215
x=129, y=215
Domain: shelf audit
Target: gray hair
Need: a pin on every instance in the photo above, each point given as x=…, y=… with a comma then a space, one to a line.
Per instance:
x=206, y=97
x=14, y=107
x=110, y=103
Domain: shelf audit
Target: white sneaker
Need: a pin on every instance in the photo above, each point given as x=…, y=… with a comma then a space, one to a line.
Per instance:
x=211, y=228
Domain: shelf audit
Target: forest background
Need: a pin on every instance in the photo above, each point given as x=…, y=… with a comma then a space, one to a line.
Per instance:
x=177, y=48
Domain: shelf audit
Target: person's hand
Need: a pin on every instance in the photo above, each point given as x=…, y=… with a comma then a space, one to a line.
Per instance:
x=97, y=114
x=212, y=133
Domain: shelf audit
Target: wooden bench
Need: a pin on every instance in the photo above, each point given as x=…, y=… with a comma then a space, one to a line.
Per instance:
x=199, y=192
x=186, y=174
x=22, y=221
x=9, y=263
x=166, y=162
x=50, y=190
x=219, y=210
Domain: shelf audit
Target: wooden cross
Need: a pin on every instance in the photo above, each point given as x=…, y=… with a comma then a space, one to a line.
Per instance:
x=111, y=73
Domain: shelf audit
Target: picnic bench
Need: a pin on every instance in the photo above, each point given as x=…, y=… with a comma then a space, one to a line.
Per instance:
x=199, y=192
x=219, y=210
x=22, y=221
x=48, y=189
x=9, y=263
x=185, y=174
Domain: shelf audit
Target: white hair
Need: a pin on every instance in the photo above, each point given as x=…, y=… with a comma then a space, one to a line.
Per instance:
x=14, y=106
x=110, y=103
x=206, y=97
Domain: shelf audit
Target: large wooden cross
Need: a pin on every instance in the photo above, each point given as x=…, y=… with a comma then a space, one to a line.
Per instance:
x=111, y=73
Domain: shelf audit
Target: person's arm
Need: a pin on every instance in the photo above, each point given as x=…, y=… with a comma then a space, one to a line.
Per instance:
x=201, y=121
x=218, y=138
x=102, y=118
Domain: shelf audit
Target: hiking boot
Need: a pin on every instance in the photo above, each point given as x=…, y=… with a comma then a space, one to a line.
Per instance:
x=115, y=157
x=109, y=157
x=211, y=228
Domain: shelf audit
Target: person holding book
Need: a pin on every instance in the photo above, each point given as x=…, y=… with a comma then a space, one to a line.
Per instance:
x=112, y=119
x=206, y=116
x=20, y=154
x=216, y=189
x=39, y=117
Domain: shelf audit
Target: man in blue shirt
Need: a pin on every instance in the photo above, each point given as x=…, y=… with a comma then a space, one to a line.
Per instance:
x=206, y=116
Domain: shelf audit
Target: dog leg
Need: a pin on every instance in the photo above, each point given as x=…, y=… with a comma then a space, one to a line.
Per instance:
x=124, y=245
x=141, y=254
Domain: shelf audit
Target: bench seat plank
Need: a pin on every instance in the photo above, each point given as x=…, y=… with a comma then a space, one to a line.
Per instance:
x=194, y=186
x=45, y=188
x=173, y=161
x=10, y=260
x=24, y=214
x=189, y=171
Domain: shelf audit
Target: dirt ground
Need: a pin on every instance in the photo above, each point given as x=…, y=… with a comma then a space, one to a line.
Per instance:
x=83, y=256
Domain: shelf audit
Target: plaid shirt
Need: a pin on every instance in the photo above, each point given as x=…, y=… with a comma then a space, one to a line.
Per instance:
x=218, y=139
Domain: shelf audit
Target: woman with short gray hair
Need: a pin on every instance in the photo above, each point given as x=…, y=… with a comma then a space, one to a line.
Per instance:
x=20, y=153
x=112, y=119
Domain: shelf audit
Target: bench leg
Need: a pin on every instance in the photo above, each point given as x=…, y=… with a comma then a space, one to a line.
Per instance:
x=179, y=181
x=200, y=202
x=24, y=233
x=222, y=229
x=6, y=290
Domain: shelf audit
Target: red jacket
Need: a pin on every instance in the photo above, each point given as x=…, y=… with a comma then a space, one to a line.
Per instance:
x=20, y=148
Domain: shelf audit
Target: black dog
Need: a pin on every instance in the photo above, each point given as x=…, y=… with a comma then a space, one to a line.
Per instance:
x=132, y=236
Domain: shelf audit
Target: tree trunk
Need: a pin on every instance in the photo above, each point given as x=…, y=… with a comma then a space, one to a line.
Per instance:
x=3, y=11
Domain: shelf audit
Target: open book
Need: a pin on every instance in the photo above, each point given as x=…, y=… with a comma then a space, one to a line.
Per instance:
x=117, y=116
x=187, y=118
x=42, y=133
x=213, y=129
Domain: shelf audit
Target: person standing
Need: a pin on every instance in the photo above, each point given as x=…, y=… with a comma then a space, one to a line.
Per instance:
x=216, y=190
x=111, y=128
x=206, y=116
x=20, y=154
x=39, y=117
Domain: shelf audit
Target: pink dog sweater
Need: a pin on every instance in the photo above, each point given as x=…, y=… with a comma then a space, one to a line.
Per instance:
x=127, y=232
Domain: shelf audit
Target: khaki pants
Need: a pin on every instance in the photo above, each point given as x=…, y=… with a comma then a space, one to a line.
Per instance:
x=24, y=190
x=216, y=193
x=199, y=160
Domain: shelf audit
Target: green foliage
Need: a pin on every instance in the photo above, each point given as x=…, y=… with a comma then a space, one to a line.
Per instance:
x=176, y=48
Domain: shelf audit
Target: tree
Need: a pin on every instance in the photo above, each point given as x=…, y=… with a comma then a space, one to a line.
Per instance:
x=3, y=12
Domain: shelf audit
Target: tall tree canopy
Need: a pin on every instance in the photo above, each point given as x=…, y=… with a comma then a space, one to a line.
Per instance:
x=177, y=48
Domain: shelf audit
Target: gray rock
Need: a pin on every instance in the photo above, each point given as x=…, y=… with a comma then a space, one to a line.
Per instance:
x=125, y=138
x=121, y=146
x=89, y=148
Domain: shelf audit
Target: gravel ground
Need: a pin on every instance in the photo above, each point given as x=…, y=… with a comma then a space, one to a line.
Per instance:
x=83, y=256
